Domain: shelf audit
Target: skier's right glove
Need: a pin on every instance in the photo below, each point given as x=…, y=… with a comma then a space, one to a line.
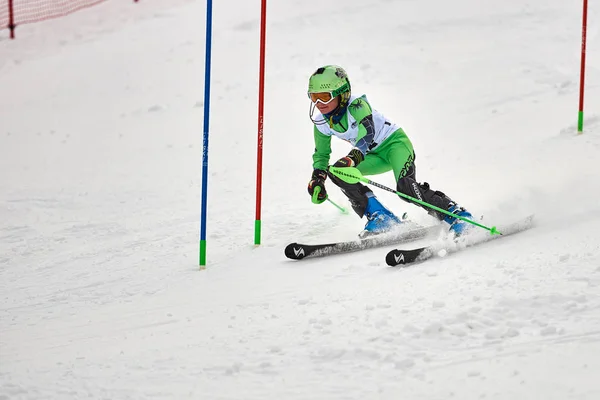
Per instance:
x=353, y=158
x=316, y=186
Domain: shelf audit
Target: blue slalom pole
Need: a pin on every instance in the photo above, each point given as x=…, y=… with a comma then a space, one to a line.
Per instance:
x=205, y=135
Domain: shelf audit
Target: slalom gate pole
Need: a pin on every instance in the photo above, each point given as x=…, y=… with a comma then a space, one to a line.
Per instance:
x=582, y=73
x=202, y=256
x=261, y=96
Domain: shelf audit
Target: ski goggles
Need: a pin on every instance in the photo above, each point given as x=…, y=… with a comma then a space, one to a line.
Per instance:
x=322, y=97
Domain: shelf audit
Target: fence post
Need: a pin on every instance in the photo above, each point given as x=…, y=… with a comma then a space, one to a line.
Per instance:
x=11, y=19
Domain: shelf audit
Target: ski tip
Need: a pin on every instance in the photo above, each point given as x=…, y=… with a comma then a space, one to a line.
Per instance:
x=294, y=251
x=401, y=257
x=394, y=258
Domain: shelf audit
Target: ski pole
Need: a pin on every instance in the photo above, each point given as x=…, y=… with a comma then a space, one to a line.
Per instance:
x=342, y=209
x=352, y=175
x=315, y=199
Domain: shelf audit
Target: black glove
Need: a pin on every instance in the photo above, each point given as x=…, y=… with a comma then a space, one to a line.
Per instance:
x=316, y=186
x=353, y=158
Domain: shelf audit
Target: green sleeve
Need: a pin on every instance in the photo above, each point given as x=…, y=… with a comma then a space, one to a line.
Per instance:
x=360, y=108
x=322, y=150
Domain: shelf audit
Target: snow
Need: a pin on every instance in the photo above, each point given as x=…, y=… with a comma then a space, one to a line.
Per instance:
x=100, y=159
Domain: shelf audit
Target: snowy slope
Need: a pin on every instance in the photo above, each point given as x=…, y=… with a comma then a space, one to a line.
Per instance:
x=100, y=158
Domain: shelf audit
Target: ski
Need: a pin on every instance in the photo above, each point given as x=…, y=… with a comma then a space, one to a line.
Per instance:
x=402, y=257
x=298, y=251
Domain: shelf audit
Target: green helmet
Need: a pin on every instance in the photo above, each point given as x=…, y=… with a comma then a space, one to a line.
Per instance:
x=333, y=79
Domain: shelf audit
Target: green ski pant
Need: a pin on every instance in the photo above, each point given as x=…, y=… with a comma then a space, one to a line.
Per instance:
x=395, y=153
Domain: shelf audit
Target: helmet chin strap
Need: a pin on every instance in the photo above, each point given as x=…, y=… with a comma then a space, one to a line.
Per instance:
x=311, y=112
x=325, y=120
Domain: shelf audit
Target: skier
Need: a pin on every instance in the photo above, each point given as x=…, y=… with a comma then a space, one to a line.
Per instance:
x=379, y=145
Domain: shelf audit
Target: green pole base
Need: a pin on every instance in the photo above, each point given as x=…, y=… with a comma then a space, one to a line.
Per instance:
x=202, y=254
x=257, y=228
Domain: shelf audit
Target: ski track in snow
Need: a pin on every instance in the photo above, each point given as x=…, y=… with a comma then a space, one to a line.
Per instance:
x=100, y=159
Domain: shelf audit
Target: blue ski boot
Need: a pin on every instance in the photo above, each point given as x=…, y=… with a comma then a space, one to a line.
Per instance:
x=458, y=226
x=380, y=219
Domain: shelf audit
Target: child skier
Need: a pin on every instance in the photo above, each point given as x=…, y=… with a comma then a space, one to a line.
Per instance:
x=379, y=146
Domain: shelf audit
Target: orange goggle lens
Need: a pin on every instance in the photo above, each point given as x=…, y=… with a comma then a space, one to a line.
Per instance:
x=323, y=97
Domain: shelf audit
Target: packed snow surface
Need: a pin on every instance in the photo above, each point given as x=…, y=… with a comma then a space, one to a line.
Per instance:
x=101, y=124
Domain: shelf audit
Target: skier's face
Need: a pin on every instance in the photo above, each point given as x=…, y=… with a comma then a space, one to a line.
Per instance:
x=329, y=107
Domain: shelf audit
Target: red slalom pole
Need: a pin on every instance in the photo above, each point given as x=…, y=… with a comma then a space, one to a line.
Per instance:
x=261, y=96
x=582, y=73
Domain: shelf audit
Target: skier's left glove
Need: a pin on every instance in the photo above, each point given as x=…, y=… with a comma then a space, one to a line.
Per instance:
x=353, y=158
x=316, y=186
